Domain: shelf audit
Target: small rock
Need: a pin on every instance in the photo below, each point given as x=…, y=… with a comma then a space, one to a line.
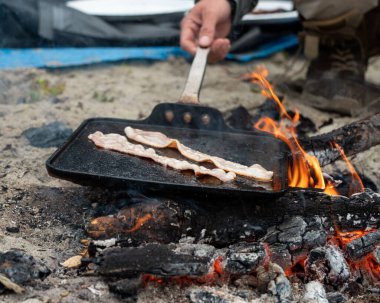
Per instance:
x=55, y=100
x=13, y=229
x=65, y=293
x=21, y=100
x=314, y=293
x=49, y=135
x=73, y=262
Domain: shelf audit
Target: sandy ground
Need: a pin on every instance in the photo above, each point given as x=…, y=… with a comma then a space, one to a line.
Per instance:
x=52, y=213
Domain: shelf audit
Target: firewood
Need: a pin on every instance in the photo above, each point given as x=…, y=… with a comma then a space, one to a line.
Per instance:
x=354, y=138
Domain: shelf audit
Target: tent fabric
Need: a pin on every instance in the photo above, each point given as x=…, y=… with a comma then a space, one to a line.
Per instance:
x=39, y=23
x=68, y=57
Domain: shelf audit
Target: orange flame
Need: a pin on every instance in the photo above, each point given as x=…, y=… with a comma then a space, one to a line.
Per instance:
x=356, y=185
x=304, y=171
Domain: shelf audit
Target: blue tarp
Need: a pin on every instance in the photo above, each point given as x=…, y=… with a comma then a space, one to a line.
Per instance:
x=66, y=57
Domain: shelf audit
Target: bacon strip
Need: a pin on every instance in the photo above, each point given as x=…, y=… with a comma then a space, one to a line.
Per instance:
x=121, y=144
x=159, y=140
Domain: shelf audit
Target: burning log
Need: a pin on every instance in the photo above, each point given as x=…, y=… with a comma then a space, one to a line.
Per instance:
x=222, y=225
x=195, y=261
x=353, y=138
x=196, y=264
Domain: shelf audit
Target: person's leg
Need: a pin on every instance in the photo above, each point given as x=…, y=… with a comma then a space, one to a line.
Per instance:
x=339, y=37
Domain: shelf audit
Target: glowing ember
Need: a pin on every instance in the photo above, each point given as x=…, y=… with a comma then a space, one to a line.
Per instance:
x=121, y=223
x=296, y=268
x=344, y=238
x=140, y=222
x=371, y=265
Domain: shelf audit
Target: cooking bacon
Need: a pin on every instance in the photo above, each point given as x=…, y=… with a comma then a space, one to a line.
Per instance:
x=121, y=144
x=159, y=140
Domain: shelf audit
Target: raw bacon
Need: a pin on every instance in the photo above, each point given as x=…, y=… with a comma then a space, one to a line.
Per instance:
x=160, y=140
x=121, y=144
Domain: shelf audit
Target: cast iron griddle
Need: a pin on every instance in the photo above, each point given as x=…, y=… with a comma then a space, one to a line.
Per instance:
x=80, y=161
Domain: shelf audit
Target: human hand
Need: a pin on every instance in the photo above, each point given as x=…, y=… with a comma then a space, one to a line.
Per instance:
x=207, y=25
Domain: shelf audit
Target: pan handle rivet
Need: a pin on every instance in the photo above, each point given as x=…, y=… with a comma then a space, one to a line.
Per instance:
x=169, y=115
x=205, y=119
x=187, y=117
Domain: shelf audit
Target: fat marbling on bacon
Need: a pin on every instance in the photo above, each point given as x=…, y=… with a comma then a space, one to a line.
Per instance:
x=160, y=140
x=121, y=144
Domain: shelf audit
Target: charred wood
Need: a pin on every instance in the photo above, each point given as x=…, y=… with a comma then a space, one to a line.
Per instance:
x=21, y=268
x=243, y=258
x=190, y=260
x=126, y=287
x=222, y=223
x=353, y=138
x=360, y=247
x=291, y=241
x=155, y=259
x=327, y=265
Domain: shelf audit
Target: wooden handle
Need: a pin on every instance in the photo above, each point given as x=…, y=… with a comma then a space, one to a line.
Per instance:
x=194, y=80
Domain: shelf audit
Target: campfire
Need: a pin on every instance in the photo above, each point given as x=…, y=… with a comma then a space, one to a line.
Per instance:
x=317, y=237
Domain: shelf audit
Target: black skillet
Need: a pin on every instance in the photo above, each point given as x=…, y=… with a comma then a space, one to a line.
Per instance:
x=199, y=127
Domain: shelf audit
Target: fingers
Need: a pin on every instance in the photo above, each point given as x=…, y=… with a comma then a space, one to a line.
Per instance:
x=203, y=25
x=219, y=50
x=207, y=31
x=189, y=34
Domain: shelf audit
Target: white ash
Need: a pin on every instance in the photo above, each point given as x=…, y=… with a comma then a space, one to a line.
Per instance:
x=105, y=243
x=327, y=264
x=376, y=254
x=339, y=269
x=211, y=295
x=186, y=240
x=314, y=293
x=281, y=289
x=197, y=250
